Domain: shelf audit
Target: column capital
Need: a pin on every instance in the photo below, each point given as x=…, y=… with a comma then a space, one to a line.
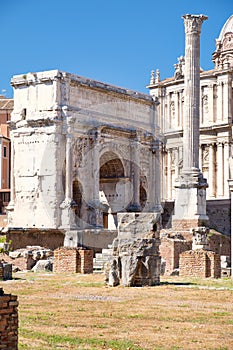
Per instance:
x=193, y=23
x=210, y=144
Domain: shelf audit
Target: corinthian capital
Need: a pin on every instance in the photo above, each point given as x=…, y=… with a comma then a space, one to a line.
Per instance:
x=193, y=23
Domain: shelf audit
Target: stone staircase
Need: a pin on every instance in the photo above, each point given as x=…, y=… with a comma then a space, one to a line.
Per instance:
x=101, y=258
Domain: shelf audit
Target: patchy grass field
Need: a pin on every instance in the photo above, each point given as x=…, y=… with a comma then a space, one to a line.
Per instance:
x=73, y=311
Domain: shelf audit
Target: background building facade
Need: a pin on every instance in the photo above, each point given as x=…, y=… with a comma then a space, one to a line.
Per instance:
x=6, y=107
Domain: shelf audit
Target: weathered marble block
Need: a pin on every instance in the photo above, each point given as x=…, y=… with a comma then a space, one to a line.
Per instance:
x=136, y=259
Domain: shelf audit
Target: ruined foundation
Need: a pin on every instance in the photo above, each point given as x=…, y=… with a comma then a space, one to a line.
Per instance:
x=73, y=260
x=200, y=263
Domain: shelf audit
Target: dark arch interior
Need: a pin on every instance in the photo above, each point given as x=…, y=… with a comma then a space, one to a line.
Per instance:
x=111, y=166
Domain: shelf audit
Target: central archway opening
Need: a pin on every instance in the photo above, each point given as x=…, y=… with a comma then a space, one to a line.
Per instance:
x=112, y=189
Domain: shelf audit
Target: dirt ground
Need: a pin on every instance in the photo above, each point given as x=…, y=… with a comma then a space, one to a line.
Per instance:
x=74, y=311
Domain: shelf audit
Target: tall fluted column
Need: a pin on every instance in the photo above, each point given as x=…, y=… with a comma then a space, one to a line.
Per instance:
x=190, y=201
x=96, y=168
x=136, y=181
x=68, y=205
x=192, y=93
x=69, y=165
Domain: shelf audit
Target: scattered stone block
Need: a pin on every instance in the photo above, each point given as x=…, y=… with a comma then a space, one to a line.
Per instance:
x=43, y=265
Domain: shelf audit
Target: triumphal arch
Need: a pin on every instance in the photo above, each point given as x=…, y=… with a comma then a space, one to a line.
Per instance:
x=82, y=151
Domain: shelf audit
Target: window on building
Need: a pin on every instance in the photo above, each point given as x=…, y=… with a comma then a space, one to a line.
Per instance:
x=4, y=151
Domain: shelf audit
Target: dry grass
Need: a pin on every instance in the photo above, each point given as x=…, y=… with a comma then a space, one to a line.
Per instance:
x=80, y=312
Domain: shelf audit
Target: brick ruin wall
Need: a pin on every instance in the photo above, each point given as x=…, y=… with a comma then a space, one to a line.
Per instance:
x=200, y=263
x=220, y=244
x=170, y=250
x=73, y=260
x=8, y=321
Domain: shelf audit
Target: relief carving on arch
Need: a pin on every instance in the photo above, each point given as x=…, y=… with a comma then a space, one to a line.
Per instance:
x=80, y=150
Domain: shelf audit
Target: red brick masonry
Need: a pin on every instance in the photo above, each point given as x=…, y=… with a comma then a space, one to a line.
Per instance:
x=200, y=263
x=8, y=321
x=73, y=260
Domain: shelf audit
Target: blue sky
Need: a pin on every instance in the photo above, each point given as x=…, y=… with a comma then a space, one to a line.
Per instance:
x=114, y=41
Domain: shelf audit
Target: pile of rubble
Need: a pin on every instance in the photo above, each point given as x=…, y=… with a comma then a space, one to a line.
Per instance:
x=33, y=258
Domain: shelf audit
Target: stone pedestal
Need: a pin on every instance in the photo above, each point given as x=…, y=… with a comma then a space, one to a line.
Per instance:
x=190, y=205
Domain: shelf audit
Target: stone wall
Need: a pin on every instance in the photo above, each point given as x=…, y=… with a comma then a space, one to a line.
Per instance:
x=73, y=260
x=8, y=321
x=35, y=237
x=200, y=263
x=219, y=212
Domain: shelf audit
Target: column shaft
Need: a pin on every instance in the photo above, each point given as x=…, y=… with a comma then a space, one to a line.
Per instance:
x=169, y=174
x=220, y=169
x=192, y=93
x=96, y=169
x=219, y=102
x=211, y=103
x=212, y=175
x=226, y=169
x=68, y=190
x=136, y=176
